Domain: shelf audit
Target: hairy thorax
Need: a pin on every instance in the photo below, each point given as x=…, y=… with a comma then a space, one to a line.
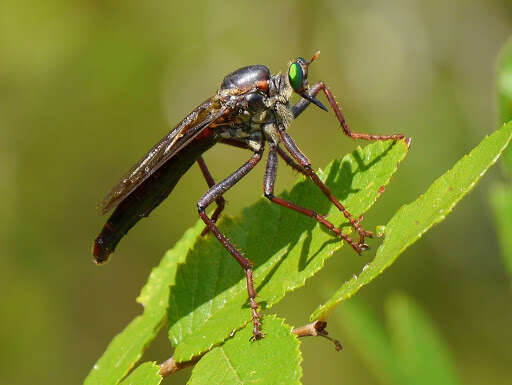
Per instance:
x=259, y=115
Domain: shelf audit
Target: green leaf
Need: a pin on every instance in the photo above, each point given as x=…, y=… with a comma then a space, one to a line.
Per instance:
x=209, y=299
x=145, y=374
x=127, y=347
x=273, y=360
x=414, y=355
x=501, y=203
x=419, y=347
x=413, y=220
x=504, y=89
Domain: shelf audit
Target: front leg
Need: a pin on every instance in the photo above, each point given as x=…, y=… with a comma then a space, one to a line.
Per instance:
x=298, y=108
x=306, y=166
x=268, y=185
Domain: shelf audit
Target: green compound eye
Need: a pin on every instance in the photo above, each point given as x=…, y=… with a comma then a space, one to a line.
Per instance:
x=296, y=76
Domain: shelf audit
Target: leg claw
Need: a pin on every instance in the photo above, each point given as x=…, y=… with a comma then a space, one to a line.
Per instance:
x=256, y=336
x=362, y=233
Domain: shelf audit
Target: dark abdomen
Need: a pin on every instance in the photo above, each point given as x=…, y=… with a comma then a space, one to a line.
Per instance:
x=148, y=195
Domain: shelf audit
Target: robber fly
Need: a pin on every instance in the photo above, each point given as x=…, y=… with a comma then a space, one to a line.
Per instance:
x=250, y=110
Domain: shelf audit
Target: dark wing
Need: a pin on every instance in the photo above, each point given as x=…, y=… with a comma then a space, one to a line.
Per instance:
x=199, y=119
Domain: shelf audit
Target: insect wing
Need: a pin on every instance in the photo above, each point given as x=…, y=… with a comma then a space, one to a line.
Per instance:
x=198, y=120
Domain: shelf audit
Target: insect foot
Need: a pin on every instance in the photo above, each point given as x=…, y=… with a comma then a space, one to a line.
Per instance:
x=257, y=334
x=362, y=233
x=358, y=247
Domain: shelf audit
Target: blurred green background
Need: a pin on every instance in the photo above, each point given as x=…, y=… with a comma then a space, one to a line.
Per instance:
x=86, y=87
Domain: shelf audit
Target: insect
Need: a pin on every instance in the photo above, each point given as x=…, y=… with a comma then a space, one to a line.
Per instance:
x=251, y=110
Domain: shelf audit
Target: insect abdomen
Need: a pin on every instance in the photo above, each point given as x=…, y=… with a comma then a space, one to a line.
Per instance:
x=147, y=196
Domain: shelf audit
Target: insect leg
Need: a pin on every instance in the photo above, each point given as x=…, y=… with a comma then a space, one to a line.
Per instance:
x=208, y=198
x=314, y=90
x=306, y=165
x=290, y=162
x=221, y=202
x=268, y=185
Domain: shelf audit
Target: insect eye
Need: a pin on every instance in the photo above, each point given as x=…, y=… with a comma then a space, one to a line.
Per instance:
x=296, y=76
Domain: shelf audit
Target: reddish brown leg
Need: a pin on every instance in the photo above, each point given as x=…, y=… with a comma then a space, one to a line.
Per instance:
x=297, y=109
x=221, y=202
x=211, y=196
x=290, y=162
x=270, y=177
x=303, y=104
x=305, y=164
x=324, y=189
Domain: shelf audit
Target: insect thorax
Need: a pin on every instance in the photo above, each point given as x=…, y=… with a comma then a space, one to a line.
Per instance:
x=258, y=115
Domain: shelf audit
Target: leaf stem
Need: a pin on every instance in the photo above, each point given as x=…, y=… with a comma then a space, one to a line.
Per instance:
x=316, y=329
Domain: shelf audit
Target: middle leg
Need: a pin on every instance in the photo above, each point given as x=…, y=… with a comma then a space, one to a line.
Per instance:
x=270, y=177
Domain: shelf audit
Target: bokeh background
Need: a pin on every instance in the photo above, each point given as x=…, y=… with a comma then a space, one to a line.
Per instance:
x=86, y=87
